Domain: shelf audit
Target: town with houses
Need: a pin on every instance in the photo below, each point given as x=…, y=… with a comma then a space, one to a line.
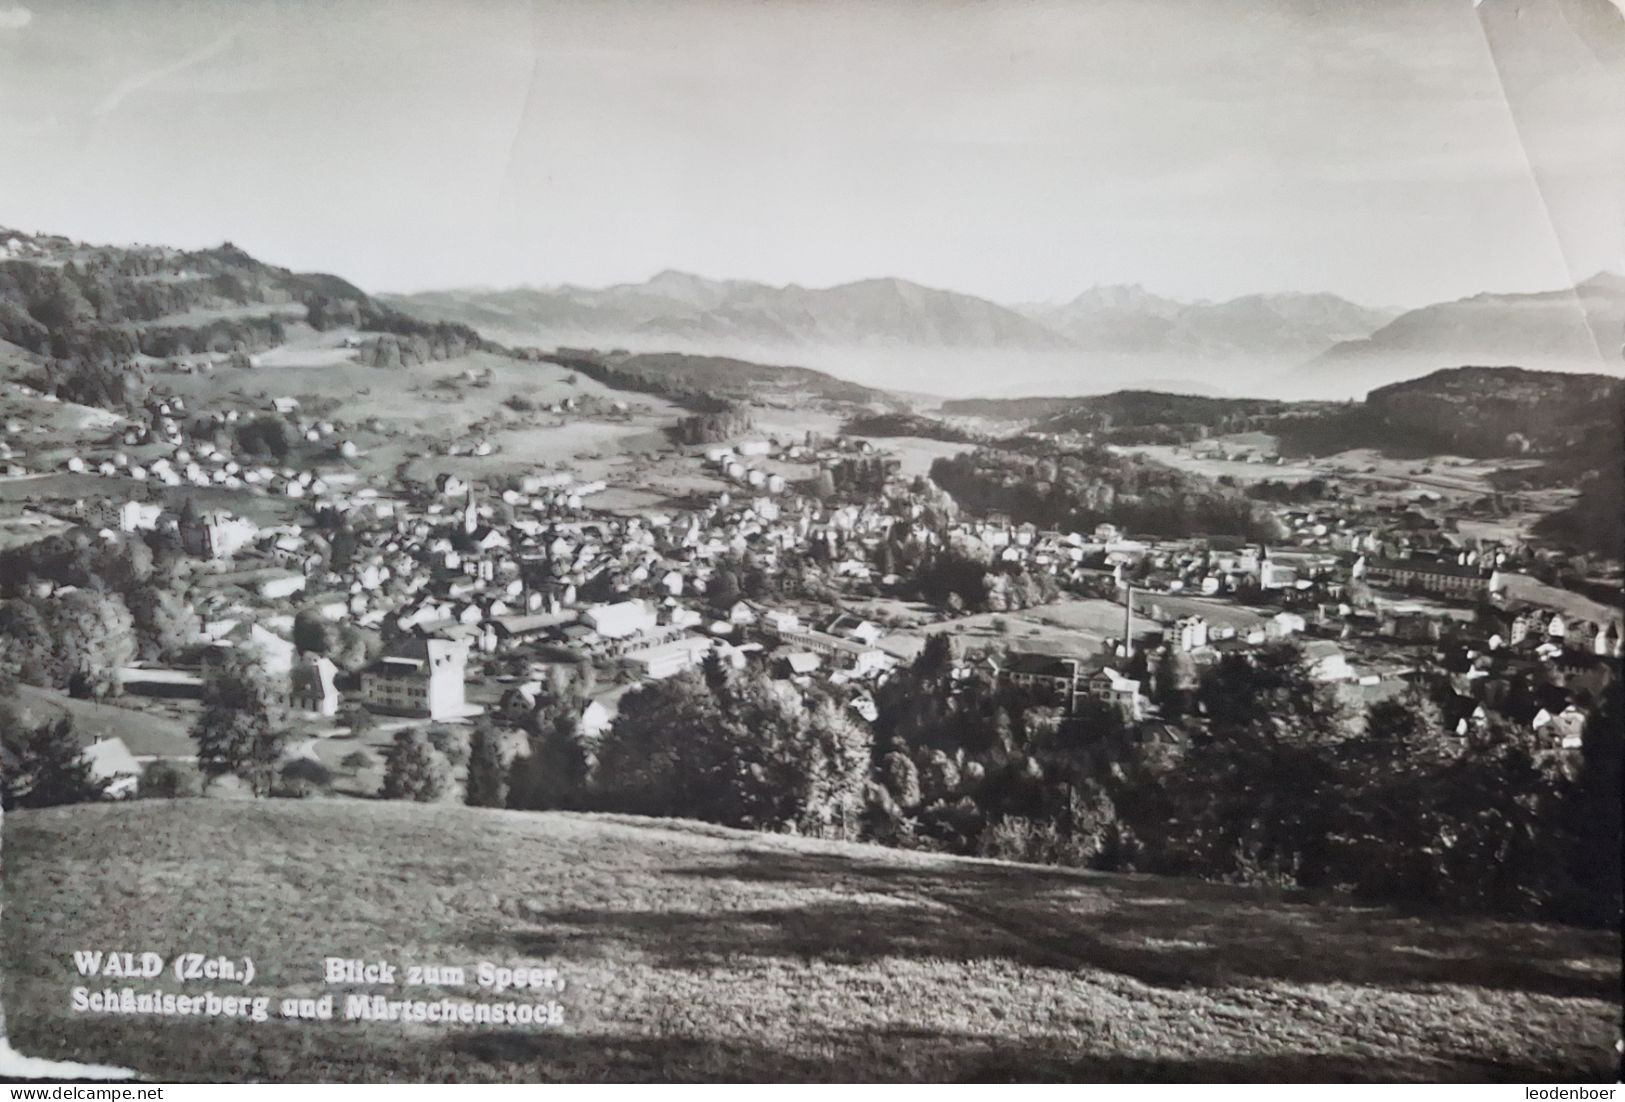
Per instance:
x=469, y=591
x=986, y=543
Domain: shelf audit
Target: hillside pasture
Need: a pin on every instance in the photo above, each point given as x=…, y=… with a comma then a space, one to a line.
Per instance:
x=695, y=953
x=437, y=394
x=414, y=414
x=150, y=730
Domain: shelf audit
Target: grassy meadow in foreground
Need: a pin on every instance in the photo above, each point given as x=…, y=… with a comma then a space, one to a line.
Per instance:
x=693, y=952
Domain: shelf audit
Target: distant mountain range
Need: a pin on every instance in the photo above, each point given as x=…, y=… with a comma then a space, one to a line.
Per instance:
x=1581, y=329
x=1286, y=345
x=677, y=306
x=61, y=298
x=1130, y=319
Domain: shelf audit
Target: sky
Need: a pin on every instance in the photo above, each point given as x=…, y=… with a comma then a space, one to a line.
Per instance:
x=1396, y=152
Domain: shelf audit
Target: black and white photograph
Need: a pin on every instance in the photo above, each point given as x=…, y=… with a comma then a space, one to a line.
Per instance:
x=812, y=541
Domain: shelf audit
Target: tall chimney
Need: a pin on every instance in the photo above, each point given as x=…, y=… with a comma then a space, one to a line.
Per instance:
x=1128, y=620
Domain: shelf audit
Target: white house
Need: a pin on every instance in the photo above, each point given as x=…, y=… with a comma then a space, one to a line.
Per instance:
x=1327, y=661
x=111, y=761
x=275, y=653
x=595, y=720
x=123, y=516
x=313, y=687
x=619, y=620
x=418, y=677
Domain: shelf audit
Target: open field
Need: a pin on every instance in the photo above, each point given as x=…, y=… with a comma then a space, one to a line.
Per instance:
x=411, y=395
x=1444, y=475
x=154, y=729
x=1167, y=607
x=791, y=425
x=1516, y=526
x=1021, y=631
x=1184, y=459
x=695, y=953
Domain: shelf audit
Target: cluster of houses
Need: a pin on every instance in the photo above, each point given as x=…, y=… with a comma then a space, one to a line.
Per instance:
x=735, y=464
x=439, y=566
x=194, y=455
x=444, y=577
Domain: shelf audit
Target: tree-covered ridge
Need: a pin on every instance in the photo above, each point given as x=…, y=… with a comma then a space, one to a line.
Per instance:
x=907, y=424
x=83, y=309
x=1477, y=411
x=1132, y=409
x=1127, y=416
x=1077, y=489
x=690, y=377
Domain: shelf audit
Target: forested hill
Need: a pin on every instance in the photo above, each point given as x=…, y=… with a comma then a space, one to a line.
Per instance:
x=1478, y=411
x=1128, y=416
x=1575, y=423
x=1509, y=409
x=84, y=306
x=1121, y=407
x=1076, y=489
x=684, y=376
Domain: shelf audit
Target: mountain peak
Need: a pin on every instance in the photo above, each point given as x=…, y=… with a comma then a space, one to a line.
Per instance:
x=673, y=279
x=1612, y=283
x=1122, y=296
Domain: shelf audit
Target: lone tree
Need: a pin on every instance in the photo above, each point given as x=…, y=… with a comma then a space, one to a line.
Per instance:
x=46, y=766
x=450, y=741
x=357, y=719
x=415, y=770
x=237, y=732
x=303, y=777
x=312, y=634
x=487, y=780
x=1176, y=683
